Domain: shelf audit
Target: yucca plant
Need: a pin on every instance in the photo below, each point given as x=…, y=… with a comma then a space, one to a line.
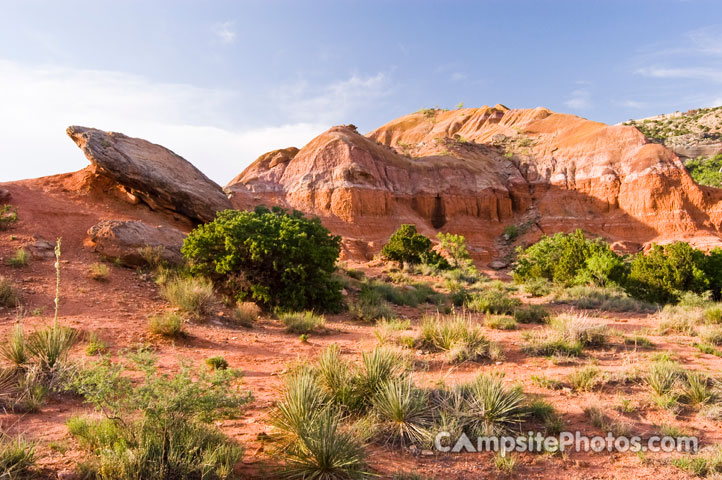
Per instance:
x=50, y=345
x=696, y=389
x=663, y=376
x=15, y=350
x=303, y=400
x=17, y=457
x=334, y=373
x=403, y=412
x=378, y=366
x=325, y=451
x=457, y=335
x=491, y=407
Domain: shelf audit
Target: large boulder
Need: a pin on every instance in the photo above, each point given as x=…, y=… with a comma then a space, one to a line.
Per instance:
x=157, y=176
x=124, y=240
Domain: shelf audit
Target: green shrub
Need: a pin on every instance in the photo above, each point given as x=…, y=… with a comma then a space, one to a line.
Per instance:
x=407, y=246
x=371, y=304
x=96, y=346
x=569, y=259
x=531, y=314
x=273, y=257
x=538, y=287
x=167, y=324
x=217, y=363
x=99, y=271
x=453, y=246
x=493, y=301
x=20, y=258
x=665, y=272
x=9, y=295
x=159, y=427
x=302, y=322
x=585, y=379
x=511, y=232
x=192, y=295
x=8, y=216
x=500, y=322
x=706, y=171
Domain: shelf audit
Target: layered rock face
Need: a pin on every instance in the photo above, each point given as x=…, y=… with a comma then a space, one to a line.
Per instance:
x=476, y=171
x=152, y=174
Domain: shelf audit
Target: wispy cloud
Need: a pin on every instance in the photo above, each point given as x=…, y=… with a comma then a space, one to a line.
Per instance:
x=698, y=73
x=224, y=32
x=580, y=99
x=333, y=102
x=39, y=102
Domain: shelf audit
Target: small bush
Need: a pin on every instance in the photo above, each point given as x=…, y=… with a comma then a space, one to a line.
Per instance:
x=8, y=216
x=663, y=376
x=638, y=341
x=453, y=246
x=50, y=345
x=96, y=346
x=167, y=324
x=152, y=255
x=371, y=305
x=459, y=337
x=275, y=258
x=544, y=382
x=302, y=322
x=99, y=271
x=217, y=363
x=531, y=314
x=538, y=287
x=677, y=320
x=511, y=232
x=193, y=296
x=9, y=295
x=548, y=342
x=20, y=258
x=696, y=390
x=585, y=379
x=493, y=301
x=500, y=322
x=246, y=314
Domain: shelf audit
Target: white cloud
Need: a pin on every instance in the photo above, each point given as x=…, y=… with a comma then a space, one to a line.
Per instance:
x=332, y=103
x=696, y=73
x=38, y=103
x=224, y=32
x=579, y=100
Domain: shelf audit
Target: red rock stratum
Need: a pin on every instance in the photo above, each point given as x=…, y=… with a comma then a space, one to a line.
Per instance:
x=476, y=171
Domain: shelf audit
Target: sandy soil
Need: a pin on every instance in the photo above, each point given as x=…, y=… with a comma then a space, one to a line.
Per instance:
x=117, y=311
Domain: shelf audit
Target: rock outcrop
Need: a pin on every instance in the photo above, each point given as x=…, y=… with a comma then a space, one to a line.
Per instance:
x=151, y=173
x=123, y=240
x=476, y=171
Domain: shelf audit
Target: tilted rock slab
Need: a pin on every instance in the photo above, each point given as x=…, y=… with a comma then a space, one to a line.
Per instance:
x=160, y=178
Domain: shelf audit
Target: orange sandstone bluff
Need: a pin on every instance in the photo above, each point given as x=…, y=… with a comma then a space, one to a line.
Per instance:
x=477, y=171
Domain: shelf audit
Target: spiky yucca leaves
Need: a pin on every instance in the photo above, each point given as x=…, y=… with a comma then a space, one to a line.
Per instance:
x=325, y=451
x=662, y=376
x=403, y=412
x=334, y=373
x=17, y=457
x=379, y=365
x=491, y=408
x=14, y=350
x=50, y=345
x=696, y=389
x=457, y=335
x=303, y=400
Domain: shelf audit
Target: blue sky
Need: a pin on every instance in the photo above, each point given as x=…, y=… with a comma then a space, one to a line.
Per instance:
x=221, y=82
